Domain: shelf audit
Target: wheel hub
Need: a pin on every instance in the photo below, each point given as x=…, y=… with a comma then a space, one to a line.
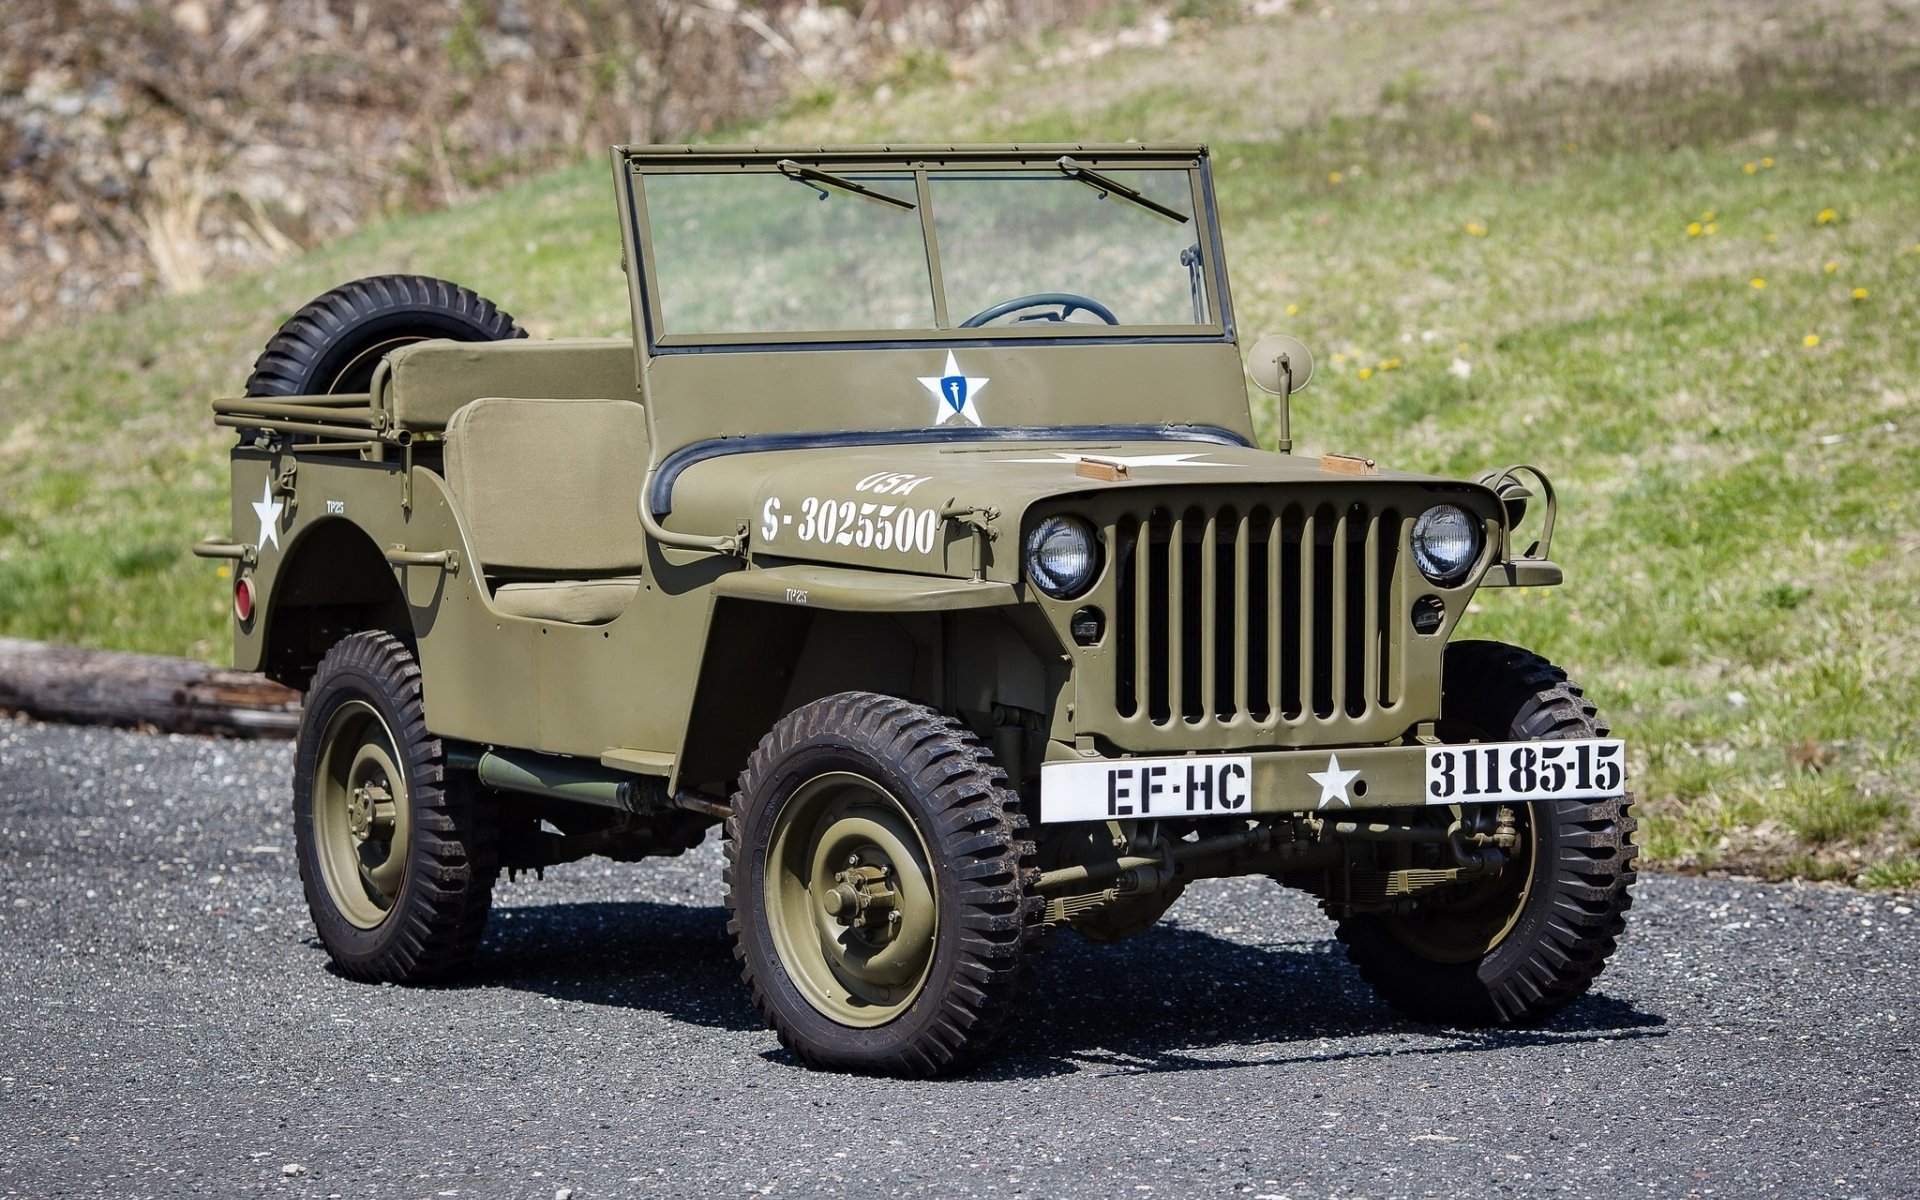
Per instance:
x=863, y=895
x=370, y=811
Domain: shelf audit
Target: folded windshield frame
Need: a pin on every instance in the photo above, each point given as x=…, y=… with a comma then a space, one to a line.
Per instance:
x=927, y=167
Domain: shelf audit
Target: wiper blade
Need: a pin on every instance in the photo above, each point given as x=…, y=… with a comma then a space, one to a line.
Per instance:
x=816, y=177
x=1105, y=186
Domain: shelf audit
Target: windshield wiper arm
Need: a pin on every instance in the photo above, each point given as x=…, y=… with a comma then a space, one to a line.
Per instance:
x=1105, y=186
x=811, y=175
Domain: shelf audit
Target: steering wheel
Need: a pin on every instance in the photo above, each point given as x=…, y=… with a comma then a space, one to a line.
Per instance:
x=1069, y=302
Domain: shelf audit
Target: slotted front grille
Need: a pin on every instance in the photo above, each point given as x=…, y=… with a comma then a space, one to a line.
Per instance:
x=1257, y=618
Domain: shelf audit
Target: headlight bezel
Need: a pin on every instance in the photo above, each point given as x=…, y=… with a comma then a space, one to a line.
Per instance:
x=1438, y=571
x=1053, y=583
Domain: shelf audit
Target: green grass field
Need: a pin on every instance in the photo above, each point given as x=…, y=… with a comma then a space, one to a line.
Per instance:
x=1668, y=255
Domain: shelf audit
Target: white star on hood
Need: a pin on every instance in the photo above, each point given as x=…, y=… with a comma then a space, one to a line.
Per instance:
x=954, y=392
x=1333, y=783
x=268, y=510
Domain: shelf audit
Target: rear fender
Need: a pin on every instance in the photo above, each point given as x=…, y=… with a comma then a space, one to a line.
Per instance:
x=333, y=581
x=329, y=574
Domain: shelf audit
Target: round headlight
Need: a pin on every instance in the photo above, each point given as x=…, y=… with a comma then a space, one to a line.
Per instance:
x=1062, y=556
x=1446, y=541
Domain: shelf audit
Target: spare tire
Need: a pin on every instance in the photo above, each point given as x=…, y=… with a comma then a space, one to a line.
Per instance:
x=332, y=345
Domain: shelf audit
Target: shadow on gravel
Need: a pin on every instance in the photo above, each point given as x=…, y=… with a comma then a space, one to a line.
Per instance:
x=1168, y=1000
x=673, y=959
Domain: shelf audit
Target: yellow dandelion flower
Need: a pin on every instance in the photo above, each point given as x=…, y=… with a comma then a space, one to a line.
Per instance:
x=1334, y=177
x=1475, y=229
x=1770, y=238
x=223, y=572
x=1693, y=229
x=1859, y=293
x=1709, y=215
x=1811, y=340
x=1827, y=217
x=1366, y=372
x=1750, y=168
x=1757, y=283
x=1463, y=347
x=1712, y=228
x=1338, y=358
x=1293, y=310
x=1767, y=164
x=1831, y=267
x=1389, y=364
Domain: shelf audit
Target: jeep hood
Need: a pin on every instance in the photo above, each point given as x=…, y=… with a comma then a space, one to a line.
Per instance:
x=892, y=506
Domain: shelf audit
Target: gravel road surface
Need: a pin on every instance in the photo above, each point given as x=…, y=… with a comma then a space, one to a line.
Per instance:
x=169, y=1026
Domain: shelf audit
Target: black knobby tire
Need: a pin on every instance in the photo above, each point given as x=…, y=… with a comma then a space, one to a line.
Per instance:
x=894, y=764
x=411, y=908
x=1571, y=891
x=332, y=345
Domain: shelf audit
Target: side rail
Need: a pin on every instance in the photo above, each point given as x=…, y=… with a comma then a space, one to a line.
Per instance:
x=356, y=423
x=350, y=418
x=351, y=422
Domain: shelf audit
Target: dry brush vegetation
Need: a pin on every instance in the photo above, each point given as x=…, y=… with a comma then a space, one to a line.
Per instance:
x=151, y=146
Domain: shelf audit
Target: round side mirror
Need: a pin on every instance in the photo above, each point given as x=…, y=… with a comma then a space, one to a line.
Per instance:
x=1275, y=356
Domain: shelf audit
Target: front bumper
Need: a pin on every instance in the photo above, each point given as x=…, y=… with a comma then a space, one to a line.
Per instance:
x=1076, y=788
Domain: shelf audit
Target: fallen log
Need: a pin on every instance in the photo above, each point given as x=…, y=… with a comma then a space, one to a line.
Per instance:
x=146, y=691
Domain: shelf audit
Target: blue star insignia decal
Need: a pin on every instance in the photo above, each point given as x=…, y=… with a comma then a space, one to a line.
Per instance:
x=955, y=393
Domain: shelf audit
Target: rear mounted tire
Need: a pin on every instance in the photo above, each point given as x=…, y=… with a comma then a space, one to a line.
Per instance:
x=332, y=345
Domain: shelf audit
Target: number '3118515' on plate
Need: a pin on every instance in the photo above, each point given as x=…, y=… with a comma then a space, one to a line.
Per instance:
x=1582, y=769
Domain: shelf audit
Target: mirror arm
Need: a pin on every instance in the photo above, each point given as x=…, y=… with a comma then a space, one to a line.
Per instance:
x=1286, y=405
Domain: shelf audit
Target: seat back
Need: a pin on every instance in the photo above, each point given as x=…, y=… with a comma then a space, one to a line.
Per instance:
x=550, y=488
x=429, y=381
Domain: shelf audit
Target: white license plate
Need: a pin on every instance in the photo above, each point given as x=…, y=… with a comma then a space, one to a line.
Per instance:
x=1134, y=788
x=1587, y=769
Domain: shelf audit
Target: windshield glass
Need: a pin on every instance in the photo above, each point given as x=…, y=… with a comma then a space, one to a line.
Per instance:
x=1003, y=236
x=1029, y=249
x=763, y=253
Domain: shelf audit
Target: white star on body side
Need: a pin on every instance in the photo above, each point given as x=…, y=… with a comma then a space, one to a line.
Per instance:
x=268, y=510
x=1333, y=783
x=969, y=387
x=1125, y=460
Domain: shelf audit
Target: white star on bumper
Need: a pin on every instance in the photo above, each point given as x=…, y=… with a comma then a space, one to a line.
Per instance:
x=1333, y=783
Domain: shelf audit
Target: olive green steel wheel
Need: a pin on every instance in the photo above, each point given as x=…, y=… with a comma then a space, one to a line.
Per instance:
x=880, y=887
x=397, y=858
x=1520, y=945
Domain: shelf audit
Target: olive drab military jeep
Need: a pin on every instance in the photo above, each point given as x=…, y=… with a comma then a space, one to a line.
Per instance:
x=918, y=539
